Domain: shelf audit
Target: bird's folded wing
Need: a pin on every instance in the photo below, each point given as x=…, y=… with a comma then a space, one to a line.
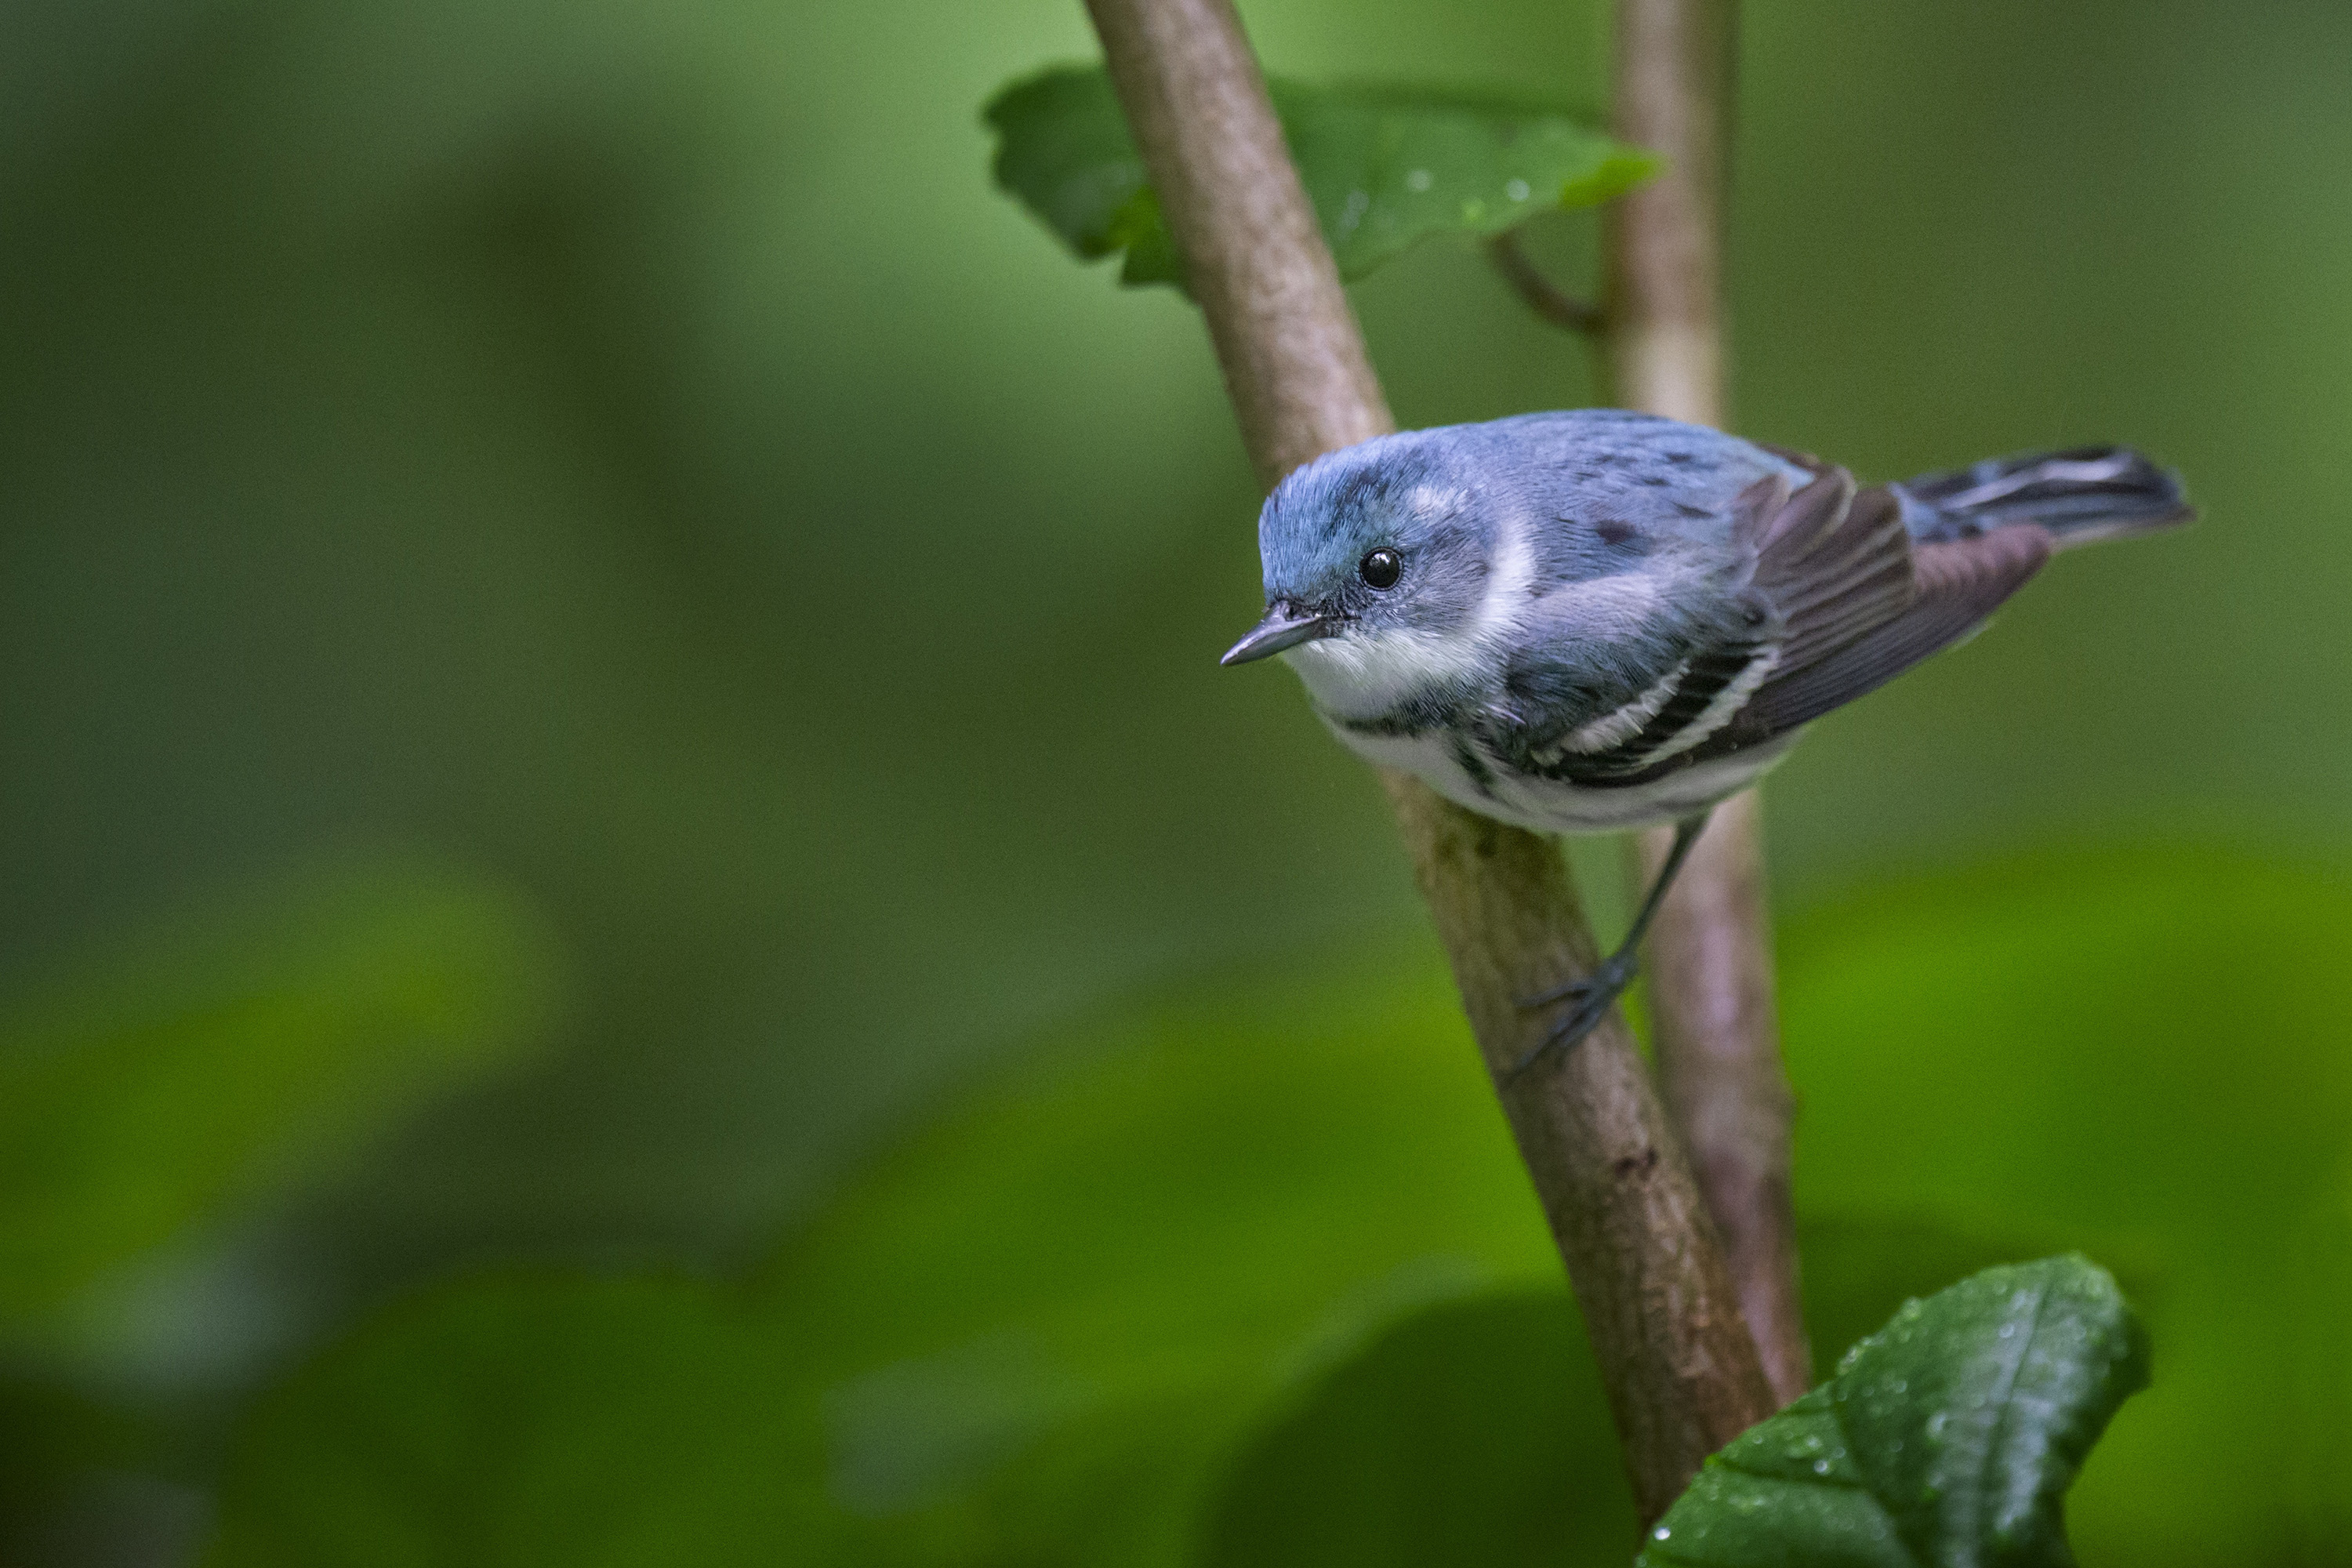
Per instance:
x=1954, y=586
x=1853, y=602
x=1828, y=566
x=1834, y=564
x=1857, y=602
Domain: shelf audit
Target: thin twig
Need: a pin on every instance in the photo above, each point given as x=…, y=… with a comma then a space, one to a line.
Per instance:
x=1719, y=1054
x=1681, y=1372
x=1709, y=957
x=1541, y=295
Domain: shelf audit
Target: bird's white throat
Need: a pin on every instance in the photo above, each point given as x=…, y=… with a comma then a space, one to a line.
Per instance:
x=1363, y=674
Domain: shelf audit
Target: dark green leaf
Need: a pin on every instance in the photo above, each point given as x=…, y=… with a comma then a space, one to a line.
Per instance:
x=1988, y=1048
x=1473, y=1432
x=1043, y=1329
x=1948, y=1438
x=1385, y=167
x=158, y=1087
x=54, y=1435
x=1032, y=1335
x=1040, y=1327
x=1859, y=1267
x=554, y=1420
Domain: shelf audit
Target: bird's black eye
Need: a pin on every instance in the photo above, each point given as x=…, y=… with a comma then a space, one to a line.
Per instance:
x=1381, y=568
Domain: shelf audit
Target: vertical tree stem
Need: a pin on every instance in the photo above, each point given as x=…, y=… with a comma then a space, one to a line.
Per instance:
x=1718, y=1051
x=1709, y=955
x=1682, y=1373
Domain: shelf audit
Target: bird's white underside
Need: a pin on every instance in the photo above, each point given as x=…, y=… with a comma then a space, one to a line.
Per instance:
x=1546, y=806
x=1366, y=672
x=1358, y=675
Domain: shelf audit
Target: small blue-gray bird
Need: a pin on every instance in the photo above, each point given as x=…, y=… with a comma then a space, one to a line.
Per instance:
x=1594, y=620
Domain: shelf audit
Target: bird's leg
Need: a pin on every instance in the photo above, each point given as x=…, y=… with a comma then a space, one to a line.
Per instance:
x=1598, y=992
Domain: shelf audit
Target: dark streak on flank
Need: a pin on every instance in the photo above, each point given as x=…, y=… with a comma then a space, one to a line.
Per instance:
x=1630, y=761
x=1417, y=715
x=1465, y=755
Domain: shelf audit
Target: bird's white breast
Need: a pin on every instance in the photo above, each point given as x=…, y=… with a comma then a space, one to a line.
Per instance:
x=1548, y=806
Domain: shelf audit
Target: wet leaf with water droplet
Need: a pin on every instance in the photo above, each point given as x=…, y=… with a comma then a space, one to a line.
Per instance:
x=2005, y=1381
x=1385, y=166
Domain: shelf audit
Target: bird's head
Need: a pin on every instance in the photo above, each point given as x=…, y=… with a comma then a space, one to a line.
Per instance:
x=1379, y=565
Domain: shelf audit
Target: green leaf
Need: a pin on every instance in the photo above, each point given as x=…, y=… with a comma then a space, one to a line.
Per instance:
x=1384, y=166
x=2143, y=1051
x=1033, y=1334
x=215, y=1064
x=1948, y=1438
x=1474, y=1431
x=1040, y=1327
x=548, y=1420
x=1860, y=1268
x=53, y=1436
x=1107, y=1310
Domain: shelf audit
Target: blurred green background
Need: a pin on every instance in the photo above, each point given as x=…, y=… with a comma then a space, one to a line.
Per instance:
x=635, y=925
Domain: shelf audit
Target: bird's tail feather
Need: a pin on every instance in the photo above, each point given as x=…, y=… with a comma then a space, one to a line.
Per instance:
x=2077, y=497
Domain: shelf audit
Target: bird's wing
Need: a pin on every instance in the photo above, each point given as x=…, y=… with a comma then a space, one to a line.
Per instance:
x=1830, y=563
x=1957, y=586
x=1847, y=602
x=1624, y=681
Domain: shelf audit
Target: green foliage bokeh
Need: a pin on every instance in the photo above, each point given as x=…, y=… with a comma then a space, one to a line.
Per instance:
x=1252, y=1277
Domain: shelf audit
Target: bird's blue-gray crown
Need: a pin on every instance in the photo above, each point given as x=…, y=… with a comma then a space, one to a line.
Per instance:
x=1385, y=535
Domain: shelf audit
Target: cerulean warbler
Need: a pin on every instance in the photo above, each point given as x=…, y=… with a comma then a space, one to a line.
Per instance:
x=1594, y=620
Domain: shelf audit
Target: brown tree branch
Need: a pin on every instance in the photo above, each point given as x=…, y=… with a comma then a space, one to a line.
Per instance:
x=1709, y=955
x=1681, y=1371
x=1541, y=295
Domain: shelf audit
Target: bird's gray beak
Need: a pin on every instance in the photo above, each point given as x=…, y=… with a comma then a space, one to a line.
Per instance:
x=1286, y=625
